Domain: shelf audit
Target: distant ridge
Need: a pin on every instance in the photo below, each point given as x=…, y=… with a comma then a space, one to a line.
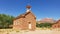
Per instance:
x=47, y=20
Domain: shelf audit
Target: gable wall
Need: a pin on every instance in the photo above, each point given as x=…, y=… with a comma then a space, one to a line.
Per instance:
x=30, y=18
x=22, y=23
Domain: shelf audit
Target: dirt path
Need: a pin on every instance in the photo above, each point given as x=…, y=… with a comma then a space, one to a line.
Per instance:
x=43, y=32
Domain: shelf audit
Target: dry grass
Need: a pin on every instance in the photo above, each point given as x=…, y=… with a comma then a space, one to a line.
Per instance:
x=37, y=31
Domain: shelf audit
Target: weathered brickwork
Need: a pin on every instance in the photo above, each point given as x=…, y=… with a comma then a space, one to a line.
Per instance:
x=56, y=25
x=22, y=22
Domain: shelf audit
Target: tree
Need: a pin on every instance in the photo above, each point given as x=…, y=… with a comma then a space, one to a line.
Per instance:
x=47, y=25
x=5, y=20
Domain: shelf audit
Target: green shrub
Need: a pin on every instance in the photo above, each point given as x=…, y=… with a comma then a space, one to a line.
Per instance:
x=47, y=25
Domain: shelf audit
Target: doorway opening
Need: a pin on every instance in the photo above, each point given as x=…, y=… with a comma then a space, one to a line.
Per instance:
x=29, y=25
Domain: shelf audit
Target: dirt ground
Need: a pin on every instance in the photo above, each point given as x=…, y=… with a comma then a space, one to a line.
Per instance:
x=10, y=31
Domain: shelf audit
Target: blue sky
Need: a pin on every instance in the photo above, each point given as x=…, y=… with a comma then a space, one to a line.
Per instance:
x=41, y=8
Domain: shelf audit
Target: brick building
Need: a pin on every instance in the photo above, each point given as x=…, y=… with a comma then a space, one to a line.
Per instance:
x=25, y=21
x=56, y=25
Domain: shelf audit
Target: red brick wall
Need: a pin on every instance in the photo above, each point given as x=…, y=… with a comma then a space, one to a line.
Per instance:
x=56, y=25
x=32, y=20
x=22, y=23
